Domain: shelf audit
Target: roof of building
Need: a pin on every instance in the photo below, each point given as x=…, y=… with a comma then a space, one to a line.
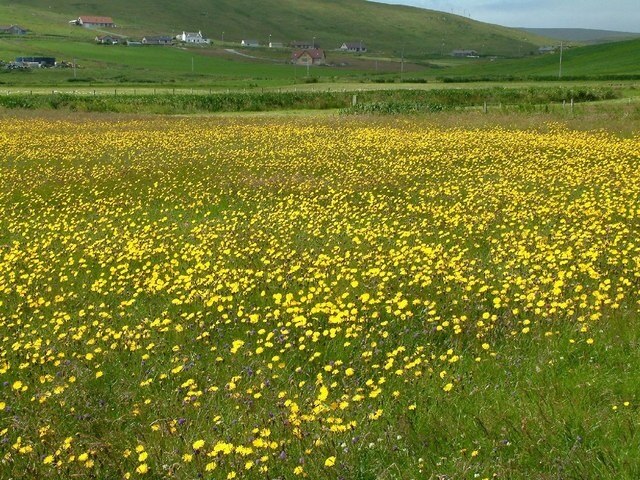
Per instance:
x=94, y=19
x=355, y=45
x=303, y=43
x=8, y=27
x=314, y=53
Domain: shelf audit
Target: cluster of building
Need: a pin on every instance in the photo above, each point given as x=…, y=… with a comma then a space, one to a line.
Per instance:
x=28, y=63
x=303, y=52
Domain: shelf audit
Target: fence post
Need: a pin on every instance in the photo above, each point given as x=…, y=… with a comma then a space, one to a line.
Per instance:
x=484, y=109
x=572, y=105
x=354, y=100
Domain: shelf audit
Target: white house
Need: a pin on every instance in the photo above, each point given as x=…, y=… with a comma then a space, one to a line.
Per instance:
x=192, y=37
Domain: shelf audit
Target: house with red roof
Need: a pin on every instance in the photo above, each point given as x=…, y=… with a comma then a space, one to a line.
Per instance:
x=311, y=56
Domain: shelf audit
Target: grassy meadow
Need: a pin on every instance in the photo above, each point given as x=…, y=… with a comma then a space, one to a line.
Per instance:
x=317, y=297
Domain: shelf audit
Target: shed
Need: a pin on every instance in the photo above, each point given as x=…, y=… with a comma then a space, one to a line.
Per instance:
x=157, y=40
x=13, y=30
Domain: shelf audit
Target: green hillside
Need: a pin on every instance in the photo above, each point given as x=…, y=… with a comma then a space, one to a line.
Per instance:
x=582, y=35
x=385, y=29
x=611, y=59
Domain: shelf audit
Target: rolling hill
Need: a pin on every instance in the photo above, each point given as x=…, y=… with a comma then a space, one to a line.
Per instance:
x=385, y=29
x=592, y=61
x=582, y=35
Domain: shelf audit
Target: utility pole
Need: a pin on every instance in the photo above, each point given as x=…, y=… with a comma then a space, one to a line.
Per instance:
x=75, y=75
x=192, y=65
x=560, y=67
x=402, y=65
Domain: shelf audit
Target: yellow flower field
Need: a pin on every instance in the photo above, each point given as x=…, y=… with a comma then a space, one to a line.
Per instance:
x=321, y=298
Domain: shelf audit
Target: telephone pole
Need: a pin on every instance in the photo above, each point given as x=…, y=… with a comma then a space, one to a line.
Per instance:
x=560, y=67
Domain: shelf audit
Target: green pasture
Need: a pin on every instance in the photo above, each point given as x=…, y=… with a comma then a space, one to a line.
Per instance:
x=619, y=58
x=119, y=63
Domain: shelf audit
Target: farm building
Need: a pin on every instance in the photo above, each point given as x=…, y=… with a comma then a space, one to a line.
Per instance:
x=192, y=37
x=92, y=21
x=12, y=30
x=250, y=43
x=312, y=56
x=547, y=49
x=464, y=53
x=157, y=40
x=41, y=61
x=304, y=45
x=106, y=40
x=353, y=47
x=276, y=45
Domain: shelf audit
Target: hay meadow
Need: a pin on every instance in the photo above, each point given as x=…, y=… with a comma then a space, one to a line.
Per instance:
x=298, y=296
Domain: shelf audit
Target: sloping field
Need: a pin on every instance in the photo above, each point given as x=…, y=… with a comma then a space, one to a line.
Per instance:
x=383, y=28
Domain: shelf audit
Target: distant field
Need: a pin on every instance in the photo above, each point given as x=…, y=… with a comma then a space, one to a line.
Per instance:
x=215, y=67
x=619, y=58
x=306, y=297
x=118, y=64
